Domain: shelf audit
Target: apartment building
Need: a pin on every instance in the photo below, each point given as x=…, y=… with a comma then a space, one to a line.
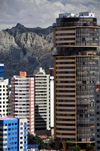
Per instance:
x=1, y=71
x=5, y=104
x=76, y=71
x=13, y=134
x=97, y=117
x=51, y=72
x=42, y=100
x=22, y=96
x=23, y=132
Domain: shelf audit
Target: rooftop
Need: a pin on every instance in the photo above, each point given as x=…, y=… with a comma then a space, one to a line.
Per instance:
x=6, y=118
x=80, y=15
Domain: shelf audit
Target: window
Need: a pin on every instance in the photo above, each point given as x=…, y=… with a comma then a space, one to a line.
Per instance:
x=84, y=82
x=9, y=143
x=83, y=39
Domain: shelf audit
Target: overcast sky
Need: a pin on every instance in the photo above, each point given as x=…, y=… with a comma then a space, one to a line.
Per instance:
x=41, y=13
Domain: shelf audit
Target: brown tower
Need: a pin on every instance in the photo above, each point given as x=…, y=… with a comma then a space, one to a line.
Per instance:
x=76, y=71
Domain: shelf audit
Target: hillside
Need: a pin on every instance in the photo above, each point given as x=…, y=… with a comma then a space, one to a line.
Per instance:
x=24, y=49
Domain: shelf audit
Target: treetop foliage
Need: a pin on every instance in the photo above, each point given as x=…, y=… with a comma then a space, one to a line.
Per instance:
x=36, y=140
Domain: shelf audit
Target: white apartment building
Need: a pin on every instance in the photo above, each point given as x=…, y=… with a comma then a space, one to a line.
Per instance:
x=51, y=101
x=23, y=134
x=42, y=99
x=5, y=105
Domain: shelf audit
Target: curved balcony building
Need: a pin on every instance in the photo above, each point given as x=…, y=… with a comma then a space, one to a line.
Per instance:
x=76, y=71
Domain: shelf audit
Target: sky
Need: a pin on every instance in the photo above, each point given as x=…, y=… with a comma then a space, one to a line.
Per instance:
x=41, y=13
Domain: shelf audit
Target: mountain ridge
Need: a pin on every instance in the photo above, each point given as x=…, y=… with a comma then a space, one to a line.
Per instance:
x=24, y=49
x=21, y=28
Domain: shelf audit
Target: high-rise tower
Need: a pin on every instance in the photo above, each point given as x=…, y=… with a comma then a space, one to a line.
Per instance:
x=76, y=71
x=42, y=100
x=97, y=117
x=22, y=88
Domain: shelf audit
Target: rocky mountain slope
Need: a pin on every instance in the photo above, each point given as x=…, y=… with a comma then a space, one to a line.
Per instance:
x=24, y=49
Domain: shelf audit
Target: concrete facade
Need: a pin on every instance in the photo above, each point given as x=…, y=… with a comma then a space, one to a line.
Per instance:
x=76, y=71
x=51, y=101
x=23, y=141
x=5, y=104
x=22, y=92
x=12, y=137
x=42, y=99
x=1, y=71
x=97, y=117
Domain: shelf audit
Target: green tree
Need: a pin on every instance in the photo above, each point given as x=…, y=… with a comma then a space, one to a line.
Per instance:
x=75, y=148
x=90, y=148
x=35, y=140
x=31, y=138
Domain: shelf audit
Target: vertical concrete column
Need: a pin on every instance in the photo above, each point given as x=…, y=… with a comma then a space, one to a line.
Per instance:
x=64, y=145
